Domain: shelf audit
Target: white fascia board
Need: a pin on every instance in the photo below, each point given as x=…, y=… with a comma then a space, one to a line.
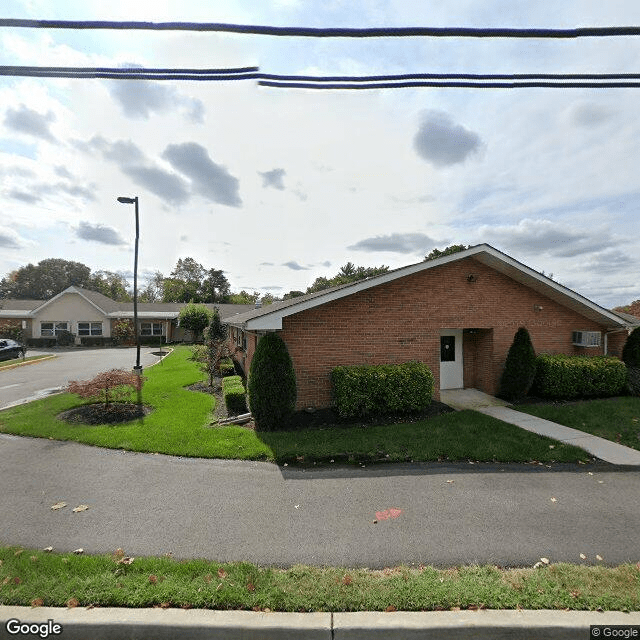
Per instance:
x=71, y=289
x=15, y=313
x=605, y=314
x=163, y=315
x=273, y=320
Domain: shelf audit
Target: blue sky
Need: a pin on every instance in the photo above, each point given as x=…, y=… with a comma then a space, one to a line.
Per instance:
x=277, y=187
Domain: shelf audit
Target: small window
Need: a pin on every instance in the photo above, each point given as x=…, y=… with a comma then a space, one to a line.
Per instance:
x=89, y=328
x=151, y=328
x=447, y=348
x=50, y=329
x=586, y=338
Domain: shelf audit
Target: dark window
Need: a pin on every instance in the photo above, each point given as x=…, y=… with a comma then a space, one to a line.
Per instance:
x=447, y=348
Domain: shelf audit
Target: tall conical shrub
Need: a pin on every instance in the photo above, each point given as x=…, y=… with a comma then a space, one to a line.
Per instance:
x=520, y=367
x=272, y=384
x=631, y=357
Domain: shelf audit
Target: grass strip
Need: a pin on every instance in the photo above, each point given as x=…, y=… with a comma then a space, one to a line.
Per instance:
x=615, y=419
x=37, y=578
x=17, y=362
x=179, y=425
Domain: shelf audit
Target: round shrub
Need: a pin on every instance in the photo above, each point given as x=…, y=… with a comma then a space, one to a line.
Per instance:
x=520, y=367
x=272, y=384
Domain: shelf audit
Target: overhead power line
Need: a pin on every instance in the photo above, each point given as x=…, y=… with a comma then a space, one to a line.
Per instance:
x=434, y=80
x=132, y=73
x=330, y=32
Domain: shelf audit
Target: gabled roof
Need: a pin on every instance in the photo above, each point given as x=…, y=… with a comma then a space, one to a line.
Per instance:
x=111, y=308
x=270, y=317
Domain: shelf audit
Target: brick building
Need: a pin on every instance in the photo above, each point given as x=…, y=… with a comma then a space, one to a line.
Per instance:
x=458, y=314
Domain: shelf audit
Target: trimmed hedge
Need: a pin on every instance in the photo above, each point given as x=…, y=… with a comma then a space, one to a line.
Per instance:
x=364, y=390
x=562, y=376
x=227, y=367
x=234, y=395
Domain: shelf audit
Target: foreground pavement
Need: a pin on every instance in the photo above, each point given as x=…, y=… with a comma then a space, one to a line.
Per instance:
x=384, y=515
x=176, y=624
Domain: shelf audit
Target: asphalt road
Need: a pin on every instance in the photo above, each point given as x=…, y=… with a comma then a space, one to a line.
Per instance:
x=439, y=514
x=32, y=381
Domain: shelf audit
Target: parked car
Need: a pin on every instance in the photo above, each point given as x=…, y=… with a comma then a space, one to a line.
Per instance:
x=10, y=349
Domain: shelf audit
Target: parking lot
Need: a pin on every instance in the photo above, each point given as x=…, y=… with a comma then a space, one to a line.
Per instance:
x=37, y=380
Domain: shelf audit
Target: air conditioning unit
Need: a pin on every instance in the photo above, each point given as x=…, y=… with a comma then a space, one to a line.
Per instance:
x=586, y=338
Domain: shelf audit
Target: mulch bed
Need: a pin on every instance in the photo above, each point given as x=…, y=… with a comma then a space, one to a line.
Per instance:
x=320, y=418
x=96, y=414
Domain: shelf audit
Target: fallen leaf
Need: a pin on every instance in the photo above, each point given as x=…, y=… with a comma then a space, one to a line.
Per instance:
x=552, y=446
x=126, y=560
x=72, y=602
x=554, y=500
x=79, y=551
x=153, y=579
x=222, y=573
x=251, y=587
x=347, y=580
x=375, y=522
x=7, y=580
x=390, y=609
x=600, y=481
x=34, y=558
x=81, y=507
x=165, y=605
x=58, y=505
x=37, y=602
x=17, y=580
x=208, y=578
x=450, y=481
x=18, y=552
x=118, y=553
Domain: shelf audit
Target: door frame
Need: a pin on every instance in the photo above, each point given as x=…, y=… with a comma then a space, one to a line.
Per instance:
x=452, y=373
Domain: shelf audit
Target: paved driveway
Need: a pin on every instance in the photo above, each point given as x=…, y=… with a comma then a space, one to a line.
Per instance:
x=37, y=380
x=441, y=514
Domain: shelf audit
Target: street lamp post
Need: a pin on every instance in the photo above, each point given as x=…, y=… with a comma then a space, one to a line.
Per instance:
x=123, y=200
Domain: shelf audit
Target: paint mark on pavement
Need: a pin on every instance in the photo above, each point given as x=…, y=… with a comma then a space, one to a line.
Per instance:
x=387, y=514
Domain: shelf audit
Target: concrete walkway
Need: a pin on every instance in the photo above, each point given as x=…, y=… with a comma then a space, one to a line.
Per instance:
x=606, y=450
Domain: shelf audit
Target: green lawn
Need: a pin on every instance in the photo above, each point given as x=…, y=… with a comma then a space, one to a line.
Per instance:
x=36, y=578
x=179, y=425
x=616, y=419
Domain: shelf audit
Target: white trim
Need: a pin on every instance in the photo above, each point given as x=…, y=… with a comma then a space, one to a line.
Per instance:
x=272, y=320
x=71, y=289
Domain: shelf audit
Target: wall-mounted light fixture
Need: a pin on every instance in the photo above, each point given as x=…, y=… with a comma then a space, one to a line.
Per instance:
x=472, y=277
x=537, y=307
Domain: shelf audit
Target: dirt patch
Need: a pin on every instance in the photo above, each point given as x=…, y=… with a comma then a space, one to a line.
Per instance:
x=96, y=414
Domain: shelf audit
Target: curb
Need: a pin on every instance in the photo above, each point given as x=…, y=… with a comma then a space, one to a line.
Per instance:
x=197, y=624
x=26, y=363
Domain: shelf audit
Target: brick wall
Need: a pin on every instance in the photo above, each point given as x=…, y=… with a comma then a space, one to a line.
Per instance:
x=401, y=321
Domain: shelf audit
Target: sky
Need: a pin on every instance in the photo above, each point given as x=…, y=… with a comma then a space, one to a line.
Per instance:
x=277, y=187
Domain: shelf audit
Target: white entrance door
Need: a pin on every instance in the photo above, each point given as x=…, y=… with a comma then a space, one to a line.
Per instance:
x=451, y=373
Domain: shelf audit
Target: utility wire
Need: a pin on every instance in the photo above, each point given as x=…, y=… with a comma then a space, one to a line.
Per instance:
x=132, y=73
x=434, y=80
x=329, y=32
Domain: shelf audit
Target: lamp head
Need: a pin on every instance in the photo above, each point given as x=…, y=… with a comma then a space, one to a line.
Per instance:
x=124, y=200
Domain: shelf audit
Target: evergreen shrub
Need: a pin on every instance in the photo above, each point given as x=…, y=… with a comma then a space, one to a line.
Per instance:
x=562, y=376
x=363, y=390
x=631, y=358
x=519, y=369
x=271, y=384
